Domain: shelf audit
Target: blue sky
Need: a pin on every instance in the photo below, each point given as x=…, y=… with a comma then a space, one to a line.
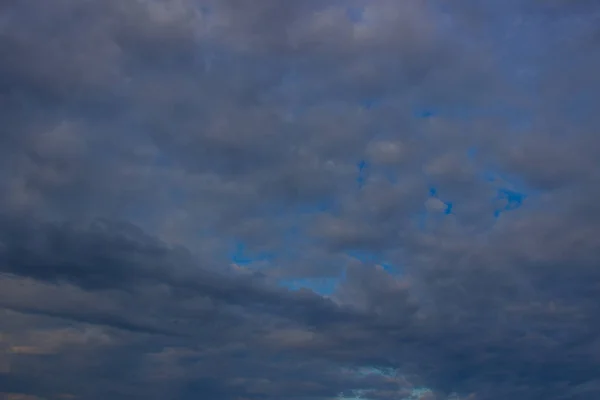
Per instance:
x=312, y=200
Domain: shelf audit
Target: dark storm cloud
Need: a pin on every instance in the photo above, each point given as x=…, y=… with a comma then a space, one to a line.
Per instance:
x=442, y=157
x=235, y=326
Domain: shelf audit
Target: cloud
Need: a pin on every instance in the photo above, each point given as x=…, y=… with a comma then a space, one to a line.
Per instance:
x=177, y=176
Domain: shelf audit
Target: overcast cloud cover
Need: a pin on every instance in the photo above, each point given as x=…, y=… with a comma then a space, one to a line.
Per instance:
x=311, y=199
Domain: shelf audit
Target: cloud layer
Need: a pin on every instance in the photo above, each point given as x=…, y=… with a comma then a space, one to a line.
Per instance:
x=313, y=200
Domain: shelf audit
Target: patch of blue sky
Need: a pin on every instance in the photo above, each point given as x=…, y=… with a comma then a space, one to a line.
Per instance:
x=513, y=199
x=362, y=167
x=426, y=112
x=472, y=153
x=433, y=192
x=389, y=267
x=510, y=200
x=511, y=190
x=362, y=164
x=424, y=218
x=241, y=256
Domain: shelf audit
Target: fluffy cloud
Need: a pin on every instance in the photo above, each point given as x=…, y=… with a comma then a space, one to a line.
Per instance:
x=312, y=200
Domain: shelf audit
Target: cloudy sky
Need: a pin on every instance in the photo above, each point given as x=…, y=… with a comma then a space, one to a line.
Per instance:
x=309, y=200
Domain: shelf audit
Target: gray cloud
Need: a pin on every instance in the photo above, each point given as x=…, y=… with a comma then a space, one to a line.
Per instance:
x=167, y=168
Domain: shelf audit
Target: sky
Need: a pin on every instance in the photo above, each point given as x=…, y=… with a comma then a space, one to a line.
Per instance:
x=307, y=200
